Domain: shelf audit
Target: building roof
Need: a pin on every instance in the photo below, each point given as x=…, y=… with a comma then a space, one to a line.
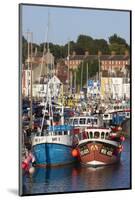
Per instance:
x=114, y=57
x=102, y=57
x=55, y=79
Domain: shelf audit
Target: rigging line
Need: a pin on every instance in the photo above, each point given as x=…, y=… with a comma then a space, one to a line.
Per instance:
x=44, y=51
x=44, y=111
x=45, y=43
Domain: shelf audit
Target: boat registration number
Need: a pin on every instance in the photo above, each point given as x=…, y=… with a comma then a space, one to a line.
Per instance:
x=84, y=150
x=55, y=139
x=106, y=150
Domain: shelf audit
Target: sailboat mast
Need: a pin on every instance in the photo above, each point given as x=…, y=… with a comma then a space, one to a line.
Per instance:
x=28, y=60
x=99, y=68
x=82, y=76
x=68, y=64
x=87, y=79
x=31, y=83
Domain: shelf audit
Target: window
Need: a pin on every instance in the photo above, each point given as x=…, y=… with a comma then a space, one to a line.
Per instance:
x=60, y=133
x=88, y=121
x=96, y=135
x=87, y=135
x=55, y=133
x=95, y=121
x=71, y=121
x=75, y=121
x=102, y=135
x=117, y=107
x=82, y=121
x=106, y=135
x=65, y=132
x=90, y=135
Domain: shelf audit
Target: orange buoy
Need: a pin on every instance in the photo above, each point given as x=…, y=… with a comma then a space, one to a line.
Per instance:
x=74, y=153
x=25, y=166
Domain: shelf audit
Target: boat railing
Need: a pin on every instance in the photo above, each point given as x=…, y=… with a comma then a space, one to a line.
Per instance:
x=103, y=135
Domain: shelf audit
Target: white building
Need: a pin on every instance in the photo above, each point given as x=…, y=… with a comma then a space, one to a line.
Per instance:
x=26, y=75
x=52, y=89
x=115, y=88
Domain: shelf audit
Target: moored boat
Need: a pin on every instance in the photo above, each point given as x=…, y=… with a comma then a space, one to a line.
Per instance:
x=99, y=146
x=54, y=146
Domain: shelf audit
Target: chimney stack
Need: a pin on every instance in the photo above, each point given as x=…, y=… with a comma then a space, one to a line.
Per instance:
x=74, y=53
x=99, y=53
x=113, y=53
x=86, y=53
x=126, y=53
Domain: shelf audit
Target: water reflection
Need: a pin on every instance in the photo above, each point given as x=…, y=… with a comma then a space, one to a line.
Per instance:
x=78, y=178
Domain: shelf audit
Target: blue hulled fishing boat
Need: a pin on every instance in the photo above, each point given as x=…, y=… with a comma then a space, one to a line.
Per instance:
x=54, y=146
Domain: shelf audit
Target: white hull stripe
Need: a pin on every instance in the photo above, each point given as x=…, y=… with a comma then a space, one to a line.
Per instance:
x=94, y=162
x=61, y=139
x=99, y=140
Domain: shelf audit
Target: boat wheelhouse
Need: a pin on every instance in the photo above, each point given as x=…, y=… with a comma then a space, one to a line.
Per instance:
x=85, y=121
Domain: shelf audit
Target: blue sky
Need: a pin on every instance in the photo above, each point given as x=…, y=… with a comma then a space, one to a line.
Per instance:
x=68, y=23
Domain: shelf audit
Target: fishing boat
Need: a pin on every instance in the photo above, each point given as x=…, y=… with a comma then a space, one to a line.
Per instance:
x=54, y=146
x=52, y=143
x=99, y=146
x=121, y=107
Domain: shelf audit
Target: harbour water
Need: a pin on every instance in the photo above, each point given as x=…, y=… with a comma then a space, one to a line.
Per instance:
x=75, y=178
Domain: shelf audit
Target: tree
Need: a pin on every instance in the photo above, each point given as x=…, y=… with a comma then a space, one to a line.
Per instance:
x=117, y=40
x=85, y=43
x=24, y=49
x=101, y=45
x=118, y=44
x=119, y=49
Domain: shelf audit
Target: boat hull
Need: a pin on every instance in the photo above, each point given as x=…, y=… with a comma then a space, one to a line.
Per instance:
x=95, y=153
x=48, y=154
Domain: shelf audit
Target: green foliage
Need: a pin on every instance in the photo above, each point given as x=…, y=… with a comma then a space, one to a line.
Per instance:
x=118, y=44
x=83, y=43
x=101, y=45
x=116, y=39
x=118, y=48
x=25, y=49
x=86, y=43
